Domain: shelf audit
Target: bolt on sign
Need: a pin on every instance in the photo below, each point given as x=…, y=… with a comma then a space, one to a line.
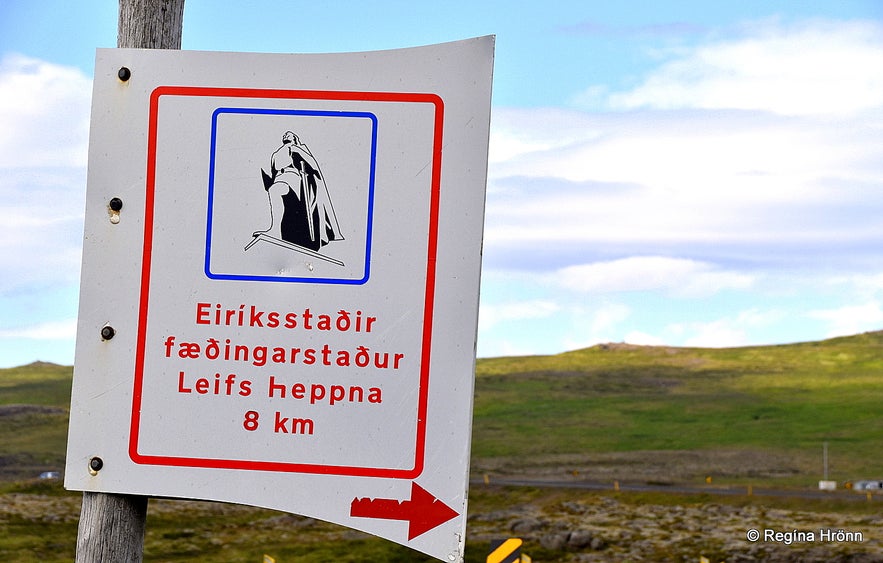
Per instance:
x=279, y=292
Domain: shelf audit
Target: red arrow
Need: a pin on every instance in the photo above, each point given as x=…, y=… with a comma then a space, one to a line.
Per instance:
x=422, y=511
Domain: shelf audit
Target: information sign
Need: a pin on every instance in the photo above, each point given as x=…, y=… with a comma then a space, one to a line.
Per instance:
x=280, y=283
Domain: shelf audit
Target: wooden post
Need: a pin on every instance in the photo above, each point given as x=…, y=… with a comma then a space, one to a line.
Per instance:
x=150, y=24
x=112, y=526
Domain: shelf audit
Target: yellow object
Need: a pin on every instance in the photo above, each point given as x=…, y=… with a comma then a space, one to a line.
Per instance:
x=504, y=550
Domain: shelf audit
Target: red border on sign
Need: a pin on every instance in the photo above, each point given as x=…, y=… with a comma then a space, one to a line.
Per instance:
x=144, y=302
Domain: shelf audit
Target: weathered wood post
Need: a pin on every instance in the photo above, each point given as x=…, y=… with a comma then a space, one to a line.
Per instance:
x=111, y=525
x=150, y=24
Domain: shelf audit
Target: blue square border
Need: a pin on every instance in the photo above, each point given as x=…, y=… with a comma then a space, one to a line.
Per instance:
x=370, y=207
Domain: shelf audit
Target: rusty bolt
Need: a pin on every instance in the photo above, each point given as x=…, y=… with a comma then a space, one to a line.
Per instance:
x=107, y=332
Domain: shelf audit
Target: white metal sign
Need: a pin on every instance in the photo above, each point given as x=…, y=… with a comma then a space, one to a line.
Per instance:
x=280, y=283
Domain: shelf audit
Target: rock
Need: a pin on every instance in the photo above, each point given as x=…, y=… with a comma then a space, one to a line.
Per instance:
x=556, y=542
x=526, y=525
x=572, y=540
x=578, y=539
x=574, y=507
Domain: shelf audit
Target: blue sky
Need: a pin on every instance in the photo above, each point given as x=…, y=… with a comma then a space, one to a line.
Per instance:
x=679, y=173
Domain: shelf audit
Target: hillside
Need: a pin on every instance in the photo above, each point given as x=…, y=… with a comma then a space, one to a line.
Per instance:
x=34, y=405
x=610, y=411
x=622, y=411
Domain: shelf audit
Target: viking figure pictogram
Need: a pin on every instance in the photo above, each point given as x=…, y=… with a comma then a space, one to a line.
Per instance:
x=301, y=212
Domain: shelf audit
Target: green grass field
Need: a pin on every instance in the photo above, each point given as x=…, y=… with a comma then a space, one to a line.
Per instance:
x=619, y=398
x=34, y=402
x=630, y=404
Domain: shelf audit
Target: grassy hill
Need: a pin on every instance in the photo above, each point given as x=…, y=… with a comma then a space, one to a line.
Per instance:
x=34, y=404
x=744, y=415
x=781, y=402
x=630, y=402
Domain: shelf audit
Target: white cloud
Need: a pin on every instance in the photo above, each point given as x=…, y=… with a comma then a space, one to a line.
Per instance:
x=643, y=339
x=608, y=316
x=52, y=330
x=748, y=165
x=863, y=287
x=755, y=155
x=690, y=177
x=492, y=315
x=851, y=319
x=728, y=331
x=679, y=277
x=590, y=326
x=507, y=348
x=717, y=335
x=44, y=109
x=41, y=228
x=519, y=133
x=816, y=67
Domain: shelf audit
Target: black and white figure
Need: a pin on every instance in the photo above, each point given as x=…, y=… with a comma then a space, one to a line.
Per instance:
x=301, y=213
